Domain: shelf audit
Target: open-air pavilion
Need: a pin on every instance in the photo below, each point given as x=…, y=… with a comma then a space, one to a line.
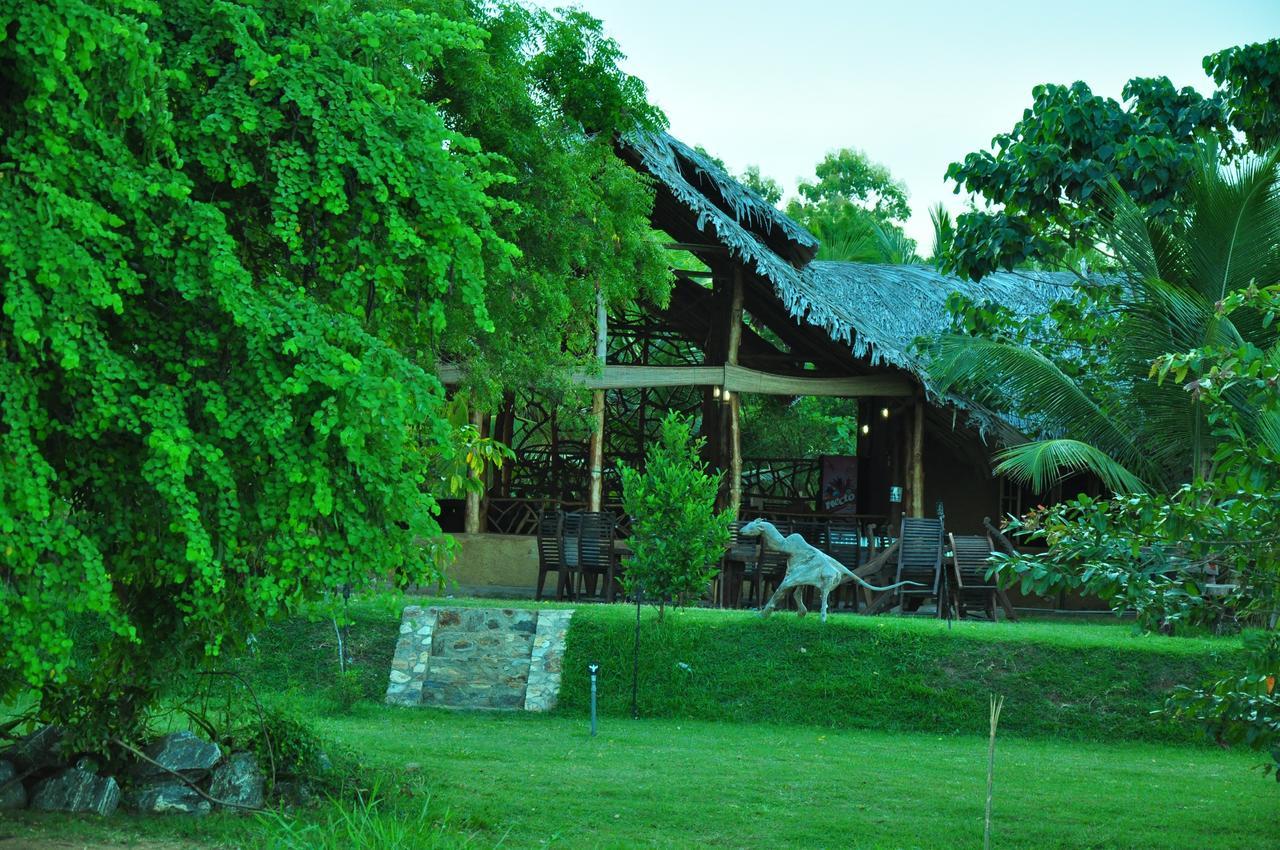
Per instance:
x=761, y=316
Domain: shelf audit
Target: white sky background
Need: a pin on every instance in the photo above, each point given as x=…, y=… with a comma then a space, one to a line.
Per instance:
x=916, y=85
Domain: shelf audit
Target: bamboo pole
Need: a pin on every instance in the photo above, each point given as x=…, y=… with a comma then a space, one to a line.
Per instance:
x=735, y=432
x=471, y=519
x=917, y=460
x=596, y=491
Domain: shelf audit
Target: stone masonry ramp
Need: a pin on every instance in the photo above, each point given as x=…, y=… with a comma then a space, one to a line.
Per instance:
x=478, y=658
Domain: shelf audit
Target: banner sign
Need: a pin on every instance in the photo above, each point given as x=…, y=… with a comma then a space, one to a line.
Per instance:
x=839, y=484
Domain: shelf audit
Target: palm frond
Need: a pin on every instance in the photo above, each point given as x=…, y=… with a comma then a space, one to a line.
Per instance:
x=1045, y=462
x=1235, y=217
x=1029, y=381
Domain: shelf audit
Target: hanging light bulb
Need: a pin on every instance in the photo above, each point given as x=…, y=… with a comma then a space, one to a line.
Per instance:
x=715, y=392
x=866, y=429
x=884, y=413
x=726, y=396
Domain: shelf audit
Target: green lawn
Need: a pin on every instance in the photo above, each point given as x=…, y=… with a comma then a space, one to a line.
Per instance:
x=858, y=733
x=528, y=781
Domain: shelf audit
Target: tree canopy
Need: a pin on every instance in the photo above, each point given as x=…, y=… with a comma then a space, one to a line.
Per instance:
x=235, y=241
x=855, y=207
x=1043, y=181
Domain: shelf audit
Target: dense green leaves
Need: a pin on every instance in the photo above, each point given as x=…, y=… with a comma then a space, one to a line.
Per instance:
x=1044, y=179
x=1250, y=78
x=234, y=237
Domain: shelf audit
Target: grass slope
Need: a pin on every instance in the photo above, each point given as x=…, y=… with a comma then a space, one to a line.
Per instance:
x=1086, y=682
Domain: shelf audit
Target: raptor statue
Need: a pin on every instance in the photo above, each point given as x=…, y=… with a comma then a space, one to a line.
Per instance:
x=806, y=565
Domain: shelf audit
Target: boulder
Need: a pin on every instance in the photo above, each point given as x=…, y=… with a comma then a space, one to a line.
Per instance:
x=12, y=794
x=238, y=780
x=157, y=798
x=38, y=750
x=77, y=791
x=181, y=752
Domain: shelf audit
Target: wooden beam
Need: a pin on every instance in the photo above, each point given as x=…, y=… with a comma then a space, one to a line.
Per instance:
x=741, y=379
x=697, y=248
x=731, y=377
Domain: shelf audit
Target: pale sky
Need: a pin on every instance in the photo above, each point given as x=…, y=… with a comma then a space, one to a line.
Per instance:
x=916, y=85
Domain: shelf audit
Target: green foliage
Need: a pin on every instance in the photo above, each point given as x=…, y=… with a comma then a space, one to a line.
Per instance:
x=1084, y=373
x=544, y=96
x=234, y=239
x=763, y=185
x=781, y=427
x=852, y=207
x=1045, y=178
x=677, y=537
x=1250, y=79
x=369, y=822
x=1241, y=707
x=848, y=176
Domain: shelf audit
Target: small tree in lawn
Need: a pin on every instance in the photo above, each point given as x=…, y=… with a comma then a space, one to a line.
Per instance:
x=677, y=535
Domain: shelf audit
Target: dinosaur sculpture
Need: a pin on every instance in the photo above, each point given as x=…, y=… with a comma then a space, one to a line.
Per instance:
x=806, y=565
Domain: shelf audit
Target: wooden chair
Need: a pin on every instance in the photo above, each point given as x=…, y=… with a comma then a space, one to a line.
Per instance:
x=844, y=543
x=595, y=553
x=972, y=554
x=740, y=558
x=551, y=553
x=920, y=560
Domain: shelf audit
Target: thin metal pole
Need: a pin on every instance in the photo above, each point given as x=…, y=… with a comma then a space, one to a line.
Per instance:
x=593, y=668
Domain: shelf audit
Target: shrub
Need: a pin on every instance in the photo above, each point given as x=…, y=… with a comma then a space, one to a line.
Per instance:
x=677, y=535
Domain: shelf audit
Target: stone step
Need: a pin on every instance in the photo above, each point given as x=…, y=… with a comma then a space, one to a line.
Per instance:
x=478, y=658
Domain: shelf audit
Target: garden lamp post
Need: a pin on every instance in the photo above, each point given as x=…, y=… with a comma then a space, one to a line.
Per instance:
x=593, y=668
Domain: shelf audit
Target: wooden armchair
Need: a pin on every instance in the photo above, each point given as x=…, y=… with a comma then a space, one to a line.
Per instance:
x=551, y=553
x=844, y=543
x=972, y=554
x=920, y=561
x=596, y=558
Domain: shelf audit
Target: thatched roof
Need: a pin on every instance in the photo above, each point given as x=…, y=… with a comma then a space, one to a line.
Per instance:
x=755, y=231
x=879, y=311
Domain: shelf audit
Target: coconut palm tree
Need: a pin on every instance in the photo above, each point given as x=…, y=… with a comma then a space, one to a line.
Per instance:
x=1148, y=435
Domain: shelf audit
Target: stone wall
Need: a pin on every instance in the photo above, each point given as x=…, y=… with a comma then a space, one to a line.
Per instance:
x=495, y=565
x=478, y=658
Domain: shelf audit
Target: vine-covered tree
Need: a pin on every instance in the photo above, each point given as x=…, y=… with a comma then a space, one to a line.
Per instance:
x=234, y=240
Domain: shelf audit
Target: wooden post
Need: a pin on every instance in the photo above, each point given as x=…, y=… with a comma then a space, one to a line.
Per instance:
x=735, y=432
x=915, y=468
x=596, y=455
x=471, y=519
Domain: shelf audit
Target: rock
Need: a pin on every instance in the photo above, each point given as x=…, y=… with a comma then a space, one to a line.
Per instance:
x=77, y=791
x=12, y=794
x=183, y=753
x=238, y=780
x=37, y=750
x=167, y=798
x=294, y=793
x=323, y=762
